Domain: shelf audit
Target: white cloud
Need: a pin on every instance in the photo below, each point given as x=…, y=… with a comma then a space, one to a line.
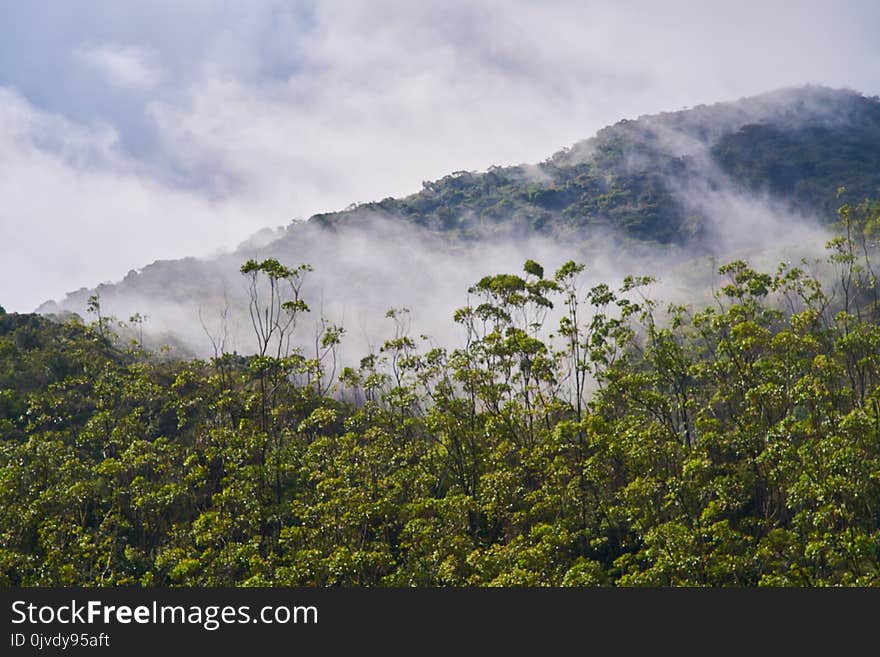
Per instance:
x=124, y=66
x=250, y=114
x=76, y=211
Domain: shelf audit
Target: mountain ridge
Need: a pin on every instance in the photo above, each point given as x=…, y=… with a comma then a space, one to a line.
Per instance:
x=701, y=181
x=577, y=180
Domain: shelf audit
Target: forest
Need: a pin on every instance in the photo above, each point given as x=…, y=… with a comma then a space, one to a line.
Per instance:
x=576, y=437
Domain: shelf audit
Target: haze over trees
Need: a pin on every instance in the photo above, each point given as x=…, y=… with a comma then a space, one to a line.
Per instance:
x=658, y=195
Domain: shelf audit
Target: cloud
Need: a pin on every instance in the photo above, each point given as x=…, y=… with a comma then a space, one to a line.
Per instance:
x=125, y=66
x=77, y=211
x=209, y=121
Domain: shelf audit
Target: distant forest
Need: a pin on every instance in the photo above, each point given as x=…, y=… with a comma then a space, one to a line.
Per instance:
x=622, y=443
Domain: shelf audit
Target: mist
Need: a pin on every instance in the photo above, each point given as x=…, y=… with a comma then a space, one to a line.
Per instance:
x=365, y=263
x=375, y=263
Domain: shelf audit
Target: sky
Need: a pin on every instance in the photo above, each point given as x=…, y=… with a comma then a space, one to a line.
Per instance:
x=137, y=131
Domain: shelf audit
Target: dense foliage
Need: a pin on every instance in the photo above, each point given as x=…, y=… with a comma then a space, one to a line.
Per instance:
x=626, y=444
x=805, y=165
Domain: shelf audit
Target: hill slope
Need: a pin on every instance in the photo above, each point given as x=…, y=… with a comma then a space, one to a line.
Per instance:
x=641, y=195
x=799, y=144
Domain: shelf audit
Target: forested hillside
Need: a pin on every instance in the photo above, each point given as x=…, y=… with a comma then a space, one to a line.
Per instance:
x=656, y=193
x=800, y=145
x=620, y=443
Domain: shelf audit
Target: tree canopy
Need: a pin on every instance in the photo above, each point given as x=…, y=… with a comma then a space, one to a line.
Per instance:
x=580, y=437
